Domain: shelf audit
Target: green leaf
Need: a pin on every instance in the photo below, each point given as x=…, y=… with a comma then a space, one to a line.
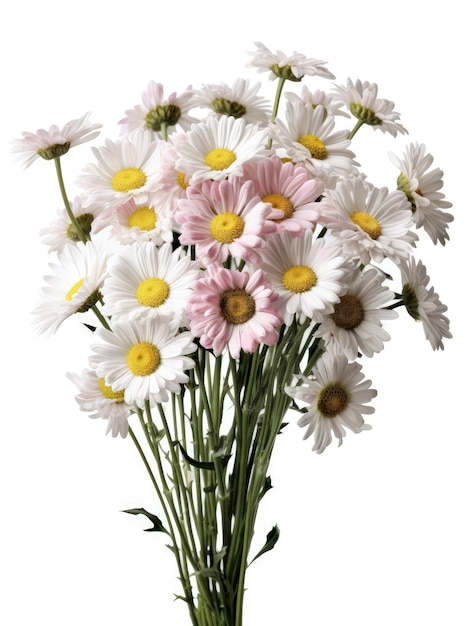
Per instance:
x=270, y=542
x=154, y=519
x=208, y=465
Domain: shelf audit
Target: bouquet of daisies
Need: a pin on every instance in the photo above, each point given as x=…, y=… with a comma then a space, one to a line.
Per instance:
x=232, y=263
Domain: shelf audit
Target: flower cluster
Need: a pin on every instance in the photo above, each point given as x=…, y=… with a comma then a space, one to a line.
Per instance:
x=215, y=221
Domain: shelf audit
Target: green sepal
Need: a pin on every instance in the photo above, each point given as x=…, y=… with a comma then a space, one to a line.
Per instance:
x=270, y=542
x=154, y=519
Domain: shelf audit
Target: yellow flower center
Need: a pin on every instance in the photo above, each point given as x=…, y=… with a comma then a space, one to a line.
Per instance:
x=332, y=400
x=237, y=306
x=282, y=203
x=143, y=359
x=73, y=290
x=109, y=393
x=181, y=180
x=368, y=223
x=299, y=278
x=152, y=292
x=127, y=179
x=220, y=158
x=143, y=218
x=226, y=227
x=315, y=146
x=348, y=312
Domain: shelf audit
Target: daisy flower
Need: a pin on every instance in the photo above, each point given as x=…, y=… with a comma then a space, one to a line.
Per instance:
x=72, y=287
x=139, y=220
x=336, y=397
x=55, y=142
x=290, y=190
x=61, y=232
x=293, y=67
x=423, y=303
x=223, y=218
x=309, y=138
x=372, y=223
x=361, y=99
x=172, y=183
x=158, y=114
x=145, y=359
x=238, y=100
x=233, y=310
x=355, y=325
x=101, y=401
x=149, y=282
x=219, y=147
x=327, y=101
x=125, y=168
x=308, y=275
x=422, y=187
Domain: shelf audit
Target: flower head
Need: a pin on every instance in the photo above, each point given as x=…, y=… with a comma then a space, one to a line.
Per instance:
x=233, y=310
x=288, y=67
x=336, y=397
x=55, y=142
x=423, y=303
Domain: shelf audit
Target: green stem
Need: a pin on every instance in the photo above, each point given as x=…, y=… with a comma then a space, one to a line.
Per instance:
x=81, y=234
x=357, y=126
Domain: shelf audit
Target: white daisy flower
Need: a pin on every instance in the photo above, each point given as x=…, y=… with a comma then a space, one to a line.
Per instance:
x=125, y=168
x=72, y=287
x=146, y=282
x=239, y=100
x=98, y=399
x=172, y=184
x=361, y=99
x=288, y=67
x=217, y=148
x=336, y=397
x=55, y=142
x=372, y=223
x=309, y=275
x=139, y=220
x=147, y=359
x=355, y=325
x=422, y=187
x=313, y=99
x=158, y=114
x=61, y=232
x=309, y=138
x=423, y=303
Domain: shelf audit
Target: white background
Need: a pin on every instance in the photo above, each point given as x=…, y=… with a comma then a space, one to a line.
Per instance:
x=372, y=533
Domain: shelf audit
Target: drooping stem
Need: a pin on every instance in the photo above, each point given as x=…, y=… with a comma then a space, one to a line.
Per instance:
x=80, y=232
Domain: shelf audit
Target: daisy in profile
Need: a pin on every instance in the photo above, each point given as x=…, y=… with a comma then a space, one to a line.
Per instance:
x=239, y=100
x=72, y=287
x=139, y=220
x=422, y=187
x=54, y=142
x=223, y=218
x=361, y=100
x=287, y=67
x=308, y=136
x=147, y=282
x=355, y=325
x=158, y=114
x=124, y=169
x=372, y=223
x=219, y=147
x=423, y=303
x=336, y=398
x=98, y=399
x=308, y=274
x=330, y=104
x=233, y=310
x=290, y=190
x=146, y=360
x=62, y=232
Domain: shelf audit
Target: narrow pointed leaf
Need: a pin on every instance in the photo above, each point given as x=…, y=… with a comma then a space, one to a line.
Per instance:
x=154, y=519
x=270, y=542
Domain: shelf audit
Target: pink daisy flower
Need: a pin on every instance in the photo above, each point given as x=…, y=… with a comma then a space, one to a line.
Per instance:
x=223, y=218
x=291, y=192
x=233, y=309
